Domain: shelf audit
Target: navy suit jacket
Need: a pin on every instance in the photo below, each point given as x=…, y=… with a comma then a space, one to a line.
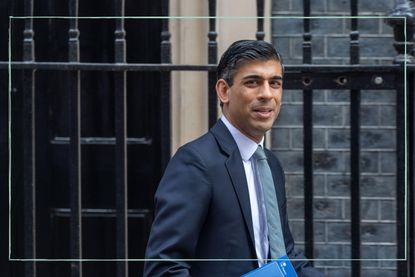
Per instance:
x=202, y=211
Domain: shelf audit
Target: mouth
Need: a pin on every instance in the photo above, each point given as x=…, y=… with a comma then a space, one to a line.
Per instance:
x=263, y=112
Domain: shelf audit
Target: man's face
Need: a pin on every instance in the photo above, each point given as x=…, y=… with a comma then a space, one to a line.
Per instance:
x=253, y=102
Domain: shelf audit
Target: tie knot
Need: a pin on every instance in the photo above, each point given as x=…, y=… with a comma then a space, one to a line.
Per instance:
x=259, y=154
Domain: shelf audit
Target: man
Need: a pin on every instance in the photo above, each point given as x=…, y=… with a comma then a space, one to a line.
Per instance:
x=209, y=217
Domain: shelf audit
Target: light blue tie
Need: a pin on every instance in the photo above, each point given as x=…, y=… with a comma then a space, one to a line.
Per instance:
x=268, y=195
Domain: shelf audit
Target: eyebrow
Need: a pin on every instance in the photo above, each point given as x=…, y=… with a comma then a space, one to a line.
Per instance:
x=254, y=76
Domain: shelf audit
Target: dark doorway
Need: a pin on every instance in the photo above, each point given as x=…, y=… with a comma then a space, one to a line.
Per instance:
x=51, y=140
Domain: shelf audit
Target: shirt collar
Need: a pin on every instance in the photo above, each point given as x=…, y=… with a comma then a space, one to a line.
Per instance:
x=246, y=146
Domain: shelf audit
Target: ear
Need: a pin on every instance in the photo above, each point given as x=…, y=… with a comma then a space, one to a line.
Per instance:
x=222, y=90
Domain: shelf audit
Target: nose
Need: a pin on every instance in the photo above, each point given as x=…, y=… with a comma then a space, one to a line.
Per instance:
x=265, y=92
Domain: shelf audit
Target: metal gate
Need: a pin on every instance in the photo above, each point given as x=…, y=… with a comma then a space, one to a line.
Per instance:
x=83, y=156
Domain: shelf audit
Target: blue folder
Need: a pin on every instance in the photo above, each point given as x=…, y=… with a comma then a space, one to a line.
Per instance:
x=277, y=268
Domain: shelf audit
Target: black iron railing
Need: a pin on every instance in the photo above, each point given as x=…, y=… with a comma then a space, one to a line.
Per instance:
x=307, y=77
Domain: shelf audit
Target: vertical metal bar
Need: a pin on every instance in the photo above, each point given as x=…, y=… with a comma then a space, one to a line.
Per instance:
x=212, y=59
x=29, y=146
x=165, y=88
x=75, y=144
x=411, y=191
x=260, y=34
x=308, y=142
x=355, y=147
x=307, y=46
x=402, y=270
x=120, y=78
x=404, y=45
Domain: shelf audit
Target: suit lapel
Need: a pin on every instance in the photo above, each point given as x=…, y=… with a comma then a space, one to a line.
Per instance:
x=234, y=165
x=236, y=171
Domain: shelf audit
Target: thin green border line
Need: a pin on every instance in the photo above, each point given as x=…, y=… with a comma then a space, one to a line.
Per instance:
x=212, y=17
x=206, y=17
x=188, y=260
x=405, y=143
x=10, y=132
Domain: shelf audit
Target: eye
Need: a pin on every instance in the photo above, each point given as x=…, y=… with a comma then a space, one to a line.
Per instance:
x=251, y=83
x=275, y=84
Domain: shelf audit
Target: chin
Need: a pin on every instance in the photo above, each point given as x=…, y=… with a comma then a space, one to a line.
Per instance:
x=263, y=128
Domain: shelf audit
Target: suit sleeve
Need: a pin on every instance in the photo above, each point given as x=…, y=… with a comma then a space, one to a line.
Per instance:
x=181, y=204
x=300, y=263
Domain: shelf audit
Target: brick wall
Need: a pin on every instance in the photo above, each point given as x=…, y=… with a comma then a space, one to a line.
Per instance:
x=331, y=138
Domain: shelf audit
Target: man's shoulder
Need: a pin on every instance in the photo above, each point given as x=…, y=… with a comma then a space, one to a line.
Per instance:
x=216, y=138
x=205, y=139
x=205, y=145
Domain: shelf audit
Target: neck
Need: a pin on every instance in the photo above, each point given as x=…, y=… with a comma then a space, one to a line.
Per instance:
x=257, y=139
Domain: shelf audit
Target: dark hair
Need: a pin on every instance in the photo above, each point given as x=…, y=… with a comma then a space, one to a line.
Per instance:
x=242, y=51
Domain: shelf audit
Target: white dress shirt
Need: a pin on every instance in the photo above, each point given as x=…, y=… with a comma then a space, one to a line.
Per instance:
x=247, y=148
